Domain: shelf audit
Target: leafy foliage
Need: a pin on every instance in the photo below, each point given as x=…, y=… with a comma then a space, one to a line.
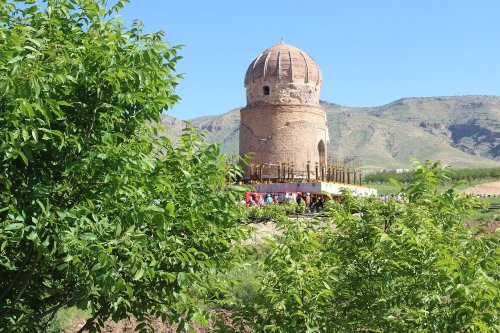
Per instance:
x=95, y=212
x=273, y=212
x=382, y=267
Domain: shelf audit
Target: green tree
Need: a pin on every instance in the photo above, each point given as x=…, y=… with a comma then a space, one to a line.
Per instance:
x=96, y=210
x=374, y=266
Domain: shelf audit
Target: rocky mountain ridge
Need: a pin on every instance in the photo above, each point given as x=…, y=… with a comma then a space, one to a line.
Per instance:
x=463, y=131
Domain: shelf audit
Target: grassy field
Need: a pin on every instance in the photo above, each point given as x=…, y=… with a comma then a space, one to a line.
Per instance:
x=480, y=215
x=485, y=215
x=389, y=188
x=493, y=200
x=383, y=188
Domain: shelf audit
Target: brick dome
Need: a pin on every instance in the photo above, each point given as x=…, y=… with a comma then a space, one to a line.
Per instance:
x=283, y=74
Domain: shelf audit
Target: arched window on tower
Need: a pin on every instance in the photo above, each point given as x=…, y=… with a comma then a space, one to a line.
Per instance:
x=321, y=152
x=265, y=90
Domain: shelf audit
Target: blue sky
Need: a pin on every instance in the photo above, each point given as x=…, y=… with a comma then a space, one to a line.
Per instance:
x=371, y=52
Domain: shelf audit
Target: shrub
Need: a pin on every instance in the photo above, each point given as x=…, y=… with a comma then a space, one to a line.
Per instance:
x=382, y=267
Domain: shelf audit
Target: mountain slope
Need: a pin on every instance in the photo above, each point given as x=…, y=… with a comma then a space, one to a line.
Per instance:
x=463, y=131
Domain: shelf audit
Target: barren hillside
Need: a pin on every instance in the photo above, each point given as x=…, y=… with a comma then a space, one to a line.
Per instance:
x=463, y=131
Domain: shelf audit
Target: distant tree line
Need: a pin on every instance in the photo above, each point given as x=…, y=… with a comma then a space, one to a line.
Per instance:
x=468, y=174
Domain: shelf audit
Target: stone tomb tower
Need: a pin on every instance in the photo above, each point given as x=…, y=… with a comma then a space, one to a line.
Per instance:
x=283, y=121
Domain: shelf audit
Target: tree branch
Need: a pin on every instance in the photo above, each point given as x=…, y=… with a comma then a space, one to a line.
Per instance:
x=23, y=288
x=52, y=312
x=26, y=259
x=90, y=321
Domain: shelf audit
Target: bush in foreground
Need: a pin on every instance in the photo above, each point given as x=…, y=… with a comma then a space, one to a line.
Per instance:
x=382, y=267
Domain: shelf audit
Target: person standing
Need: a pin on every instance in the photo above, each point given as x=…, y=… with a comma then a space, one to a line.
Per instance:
x=269, y=199
x=308, y=202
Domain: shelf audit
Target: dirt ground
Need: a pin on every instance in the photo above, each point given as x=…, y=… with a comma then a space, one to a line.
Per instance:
x=262, y=230
x=492, y=188
x=486, y=189
x=128, y=325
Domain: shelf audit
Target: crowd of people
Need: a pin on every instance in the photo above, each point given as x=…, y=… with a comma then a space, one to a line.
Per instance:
x=400, y=197
x=313, y=202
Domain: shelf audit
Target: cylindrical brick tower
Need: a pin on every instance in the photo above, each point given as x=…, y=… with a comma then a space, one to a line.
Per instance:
x=283, y=121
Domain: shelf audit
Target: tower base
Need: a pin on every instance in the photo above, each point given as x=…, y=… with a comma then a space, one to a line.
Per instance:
x=314, y=188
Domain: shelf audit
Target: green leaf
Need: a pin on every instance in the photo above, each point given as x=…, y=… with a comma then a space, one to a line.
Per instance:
x=140, y=326
x=14, y=226
x=118, y=230
x=154, y=209
x=23, y=157
x=62, y=266
x=297, y=299
x=138, y=274
x=170, y=207
x=396, y=183
x=32, y=236
x=384, y=237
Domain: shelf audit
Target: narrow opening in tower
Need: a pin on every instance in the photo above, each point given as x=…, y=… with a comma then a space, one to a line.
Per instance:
x=321, y=152
x=265, y=90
